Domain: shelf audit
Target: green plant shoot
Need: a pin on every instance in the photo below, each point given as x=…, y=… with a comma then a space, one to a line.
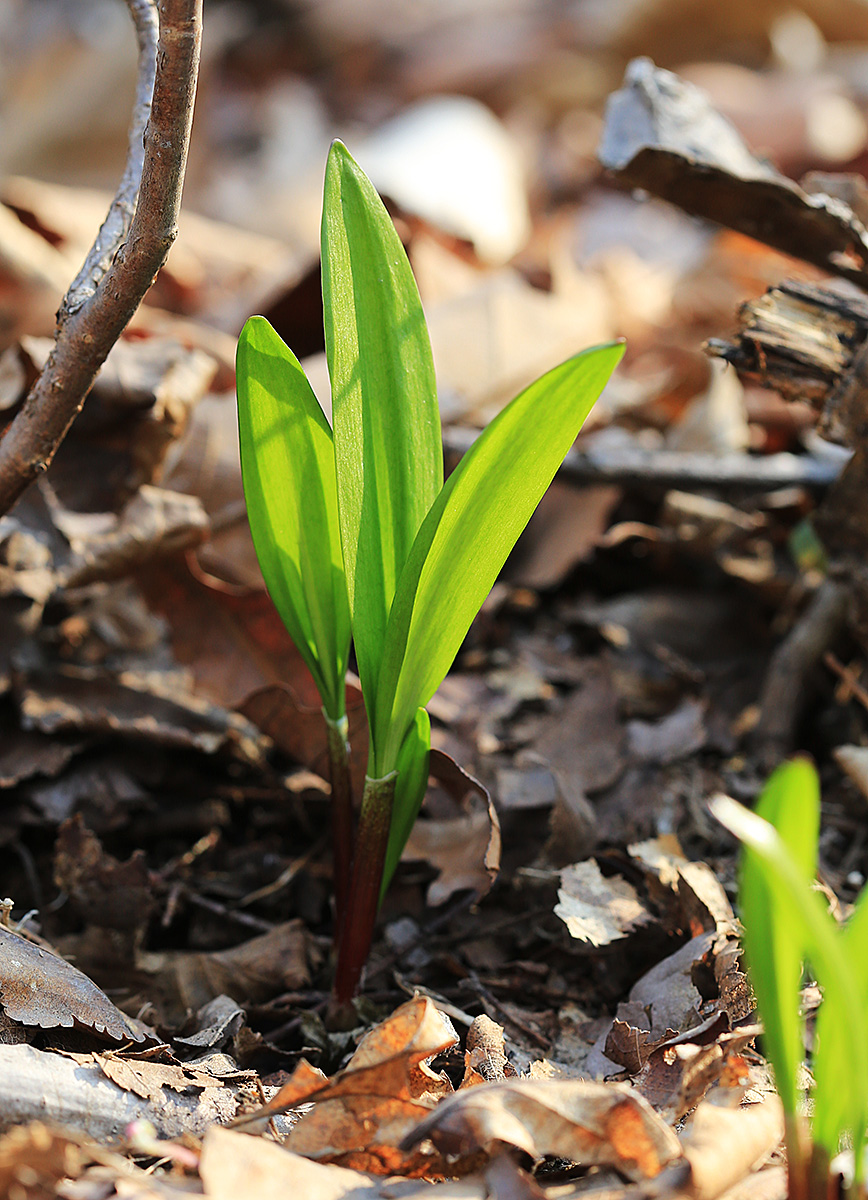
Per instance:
x=355, y=529
x=787, y=923
x=288, y=469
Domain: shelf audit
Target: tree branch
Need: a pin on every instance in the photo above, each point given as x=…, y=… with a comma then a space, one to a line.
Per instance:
x=116, y=226
x=127, y=253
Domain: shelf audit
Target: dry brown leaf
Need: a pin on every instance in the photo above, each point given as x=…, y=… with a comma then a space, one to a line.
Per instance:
x=466, y=848
x=680, y=1070
x=253, y=971
x=485, y=1053
x=675, y=737
x=662, y=134
x=667, y=992
x=723, y=1145
x=563, y=532
x=138, y=707
x=630, y=1046
x=155, y=523
x=38, y=988
x=417, y=1030
x=596, y=910
x=233, y=644
x=235, y=1166
x=584, y=743
x=108, y=893
x=148, y=1079
x=577, y=1120
x=689, y=890
x=385, y=1090
x=360, y=1115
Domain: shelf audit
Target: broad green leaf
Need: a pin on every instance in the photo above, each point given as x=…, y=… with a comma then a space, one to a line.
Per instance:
x=790, y=801
x=386, y=422
x=841, y=1063
x=410, y=788
x=287, y=463
x=469, y=533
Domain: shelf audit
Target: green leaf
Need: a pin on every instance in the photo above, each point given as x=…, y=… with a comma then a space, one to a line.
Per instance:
x=841, y=1060
x=790, y=801
x=837, y=1111
x=469, y=533
x=287, y=463
x=386, y=421
x=410, y=788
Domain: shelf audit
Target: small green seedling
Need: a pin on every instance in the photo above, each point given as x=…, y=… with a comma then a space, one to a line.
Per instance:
x=357, y=534
x=787, y=923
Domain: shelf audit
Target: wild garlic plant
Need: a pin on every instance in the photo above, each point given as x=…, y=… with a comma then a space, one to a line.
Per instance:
x=360, y=539
x=787, y=923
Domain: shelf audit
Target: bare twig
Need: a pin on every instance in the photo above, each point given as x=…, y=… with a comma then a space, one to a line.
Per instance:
x=116, y=226
x=110, y=286
x=787, y=688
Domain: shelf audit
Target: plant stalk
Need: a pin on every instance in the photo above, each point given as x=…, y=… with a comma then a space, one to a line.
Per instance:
x=342, y=813
x=798, y=1157
x=364, y=893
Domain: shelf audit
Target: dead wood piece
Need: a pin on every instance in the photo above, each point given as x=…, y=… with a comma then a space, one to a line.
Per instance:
x=787, y=688
x=37, y=1085
x=90, y=324
x=808, y=343
x=639, y=466
x=662, y=134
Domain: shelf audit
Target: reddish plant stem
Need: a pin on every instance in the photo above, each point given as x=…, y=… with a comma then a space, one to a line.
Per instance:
x=342, y=814
x=375, y=819
x=90, y=324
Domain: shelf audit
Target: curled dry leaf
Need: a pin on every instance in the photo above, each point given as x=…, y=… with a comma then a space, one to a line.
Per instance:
x=485, y=1053
x=689, y=891
x=38, y=988
x=668, y=994
x=297, y=728
x=680, y=1070
x=361, y=1114
x=663, y=135
x=465, y=848
x=596, y=910
x=630, y=1045
x=584, y=1122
